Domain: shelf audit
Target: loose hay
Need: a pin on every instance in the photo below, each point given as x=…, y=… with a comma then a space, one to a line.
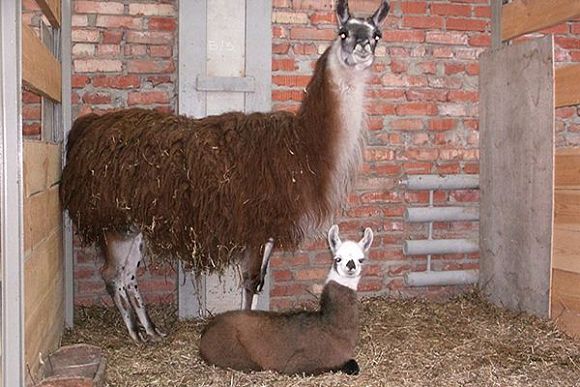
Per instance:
x=463, y=342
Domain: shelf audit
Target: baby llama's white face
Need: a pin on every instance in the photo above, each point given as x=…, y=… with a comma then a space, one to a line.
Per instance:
x=349, y=257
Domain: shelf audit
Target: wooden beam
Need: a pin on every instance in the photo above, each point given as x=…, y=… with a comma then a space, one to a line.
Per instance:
x=51, y=9
x=566, y=207
x=42, y=166
x=565, y=302
x=522, y=17
x=566, y=248
x=568, y=85
x=567, y=169
x=40, y=69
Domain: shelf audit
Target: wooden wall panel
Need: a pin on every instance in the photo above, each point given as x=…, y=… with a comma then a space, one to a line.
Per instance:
x=567, y=169
x=567, y=85
x=516, y=179
x=42, y=166
x=43, y=250
x=565, y=307
x=567, y=248
x=524, y=16
x=567, y=207
x=40, y=69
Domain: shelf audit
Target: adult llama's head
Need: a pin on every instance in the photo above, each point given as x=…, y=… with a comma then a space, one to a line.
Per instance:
x=358, y=37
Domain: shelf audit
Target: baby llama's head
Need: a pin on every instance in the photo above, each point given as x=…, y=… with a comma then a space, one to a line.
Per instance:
x=349, y=257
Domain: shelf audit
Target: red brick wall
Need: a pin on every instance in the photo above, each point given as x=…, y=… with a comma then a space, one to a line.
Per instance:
x=422, y=119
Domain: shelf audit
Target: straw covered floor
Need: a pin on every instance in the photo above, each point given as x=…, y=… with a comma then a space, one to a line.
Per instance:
x=462, y=342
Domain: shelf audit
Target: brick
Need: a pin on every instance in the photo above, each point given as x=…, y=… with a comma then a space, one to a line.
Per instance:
x=161, y=51
x=97, y=65
x=426, y=95
x=108, y=50
x=379, y=154
x=31, y=129
x=280, y=48
x=568, y=43
x=301, y=33
x=83, y=49
x=480, y=40
x=314, y=274
x=117, y=82
x=282, y=275
x=79, y=21
x=97, y=98
x=287, y=95
x=445, y=82
x=406, y=124
x=414, y=7
x=454, y=38
x=313, y=4
x=114, y=21
x=157, y=80
x=443, y=52
x=150, y=37
x=463, y=96
x=417, y=108
x=99, y=7
x=423, y=22
x=381, y=108
x=404, y=36
x=323, y=18
x=444, y=9
x=291, y=80
x=279, y=17
x=112, y=37
x=421, y=154
x=31, y=112
x=162, y=24
x=380, y=197
x=396, y=80
x=148, y=66
x=147, y=98
x=442, y=124
x=152, y=9
x=483, y=12
x=283, y=64
x=463, y=24
x=136, y=49
x=427, y=67
x=85, y=36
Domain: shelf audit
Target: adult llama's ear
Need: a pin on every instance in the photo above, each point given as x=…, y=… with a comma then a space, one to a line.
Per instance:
x=342, y=12
x=333, y=239
x=381, y=13
x=367, y=240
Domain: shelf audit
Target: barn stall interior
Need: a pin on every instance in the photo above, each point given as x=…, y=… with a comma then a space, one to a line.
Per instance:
x=417, y=188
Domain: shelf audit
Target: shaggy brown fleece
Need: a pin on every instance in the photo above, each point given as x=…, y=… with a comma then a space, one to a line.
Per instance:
x=202, y=189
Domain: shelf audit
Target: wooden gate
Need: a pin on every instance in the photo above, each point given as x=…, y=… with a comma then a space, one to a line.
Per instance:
x=224, y=65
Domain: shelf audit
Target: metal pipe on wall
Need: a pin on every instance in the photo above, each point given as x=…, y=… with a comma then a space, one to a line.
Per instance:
x=441, y=214
x=437, y=182
x=440, y=246
x=437, y=278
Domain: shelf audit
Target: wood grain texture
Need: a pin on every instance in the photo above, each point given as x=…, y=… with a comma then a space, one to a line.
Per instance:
x=567, y=207
x=51, y=9
x=565, y=305
x=568, y=85
x=44, y=299
x=567, y=169
x=567, y=248
x=40, y=69
x=42, y=166
x=42, y=216
x=521, y=17
x=516, y=179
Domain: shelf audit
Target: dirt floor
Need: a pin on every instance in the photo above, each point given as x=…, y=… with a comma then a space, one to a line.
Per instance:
x=463, y=342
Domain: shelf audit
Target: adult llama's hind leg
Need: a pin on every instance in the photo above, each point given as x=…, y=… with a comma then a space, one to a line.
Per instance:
x=123, y=256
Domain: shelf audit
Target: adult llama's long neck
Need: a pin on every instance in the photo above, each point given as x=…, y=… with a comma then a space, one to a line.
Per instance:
x=331, y=118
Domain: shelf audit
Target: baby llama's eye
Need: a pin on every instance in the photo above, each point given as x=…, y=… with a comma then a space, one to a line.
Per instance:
x=343, y=34
x=377, y=36
x=361, y=260
x=337, y=259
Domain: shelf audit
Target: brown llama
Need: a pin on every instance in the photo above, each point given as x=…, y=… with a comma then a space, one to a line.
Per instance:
x=214, y=190
x=297, y=342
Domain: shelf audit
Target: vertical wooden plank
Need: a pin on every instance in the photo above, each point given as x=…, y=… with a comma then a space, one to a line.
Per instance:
x=517, y=152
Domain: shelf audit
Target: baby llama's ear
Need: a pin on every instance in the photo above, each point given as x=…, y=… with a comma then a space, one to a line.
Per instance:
x=333, y=239
x=367, y=240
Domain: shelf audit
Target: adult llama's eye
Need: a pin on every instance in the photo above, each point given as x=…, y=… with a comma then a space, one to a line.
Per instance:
x=343, y=34
x=377, y=36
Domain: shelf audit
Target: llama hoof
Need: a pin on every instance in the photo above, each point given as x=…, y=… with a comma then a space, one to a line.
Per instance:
x=351, y=367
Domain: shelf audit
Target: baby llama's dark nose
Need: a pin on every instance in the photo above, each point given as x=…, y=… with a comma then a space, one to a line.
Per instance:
x=350, y=265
